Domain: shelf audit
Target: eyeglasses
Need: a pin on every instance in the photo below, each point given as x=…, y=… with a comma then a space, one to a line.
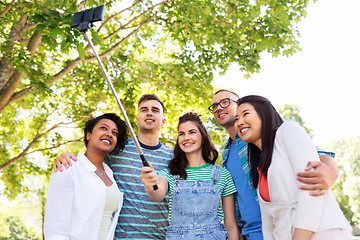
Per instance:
x=224, y=103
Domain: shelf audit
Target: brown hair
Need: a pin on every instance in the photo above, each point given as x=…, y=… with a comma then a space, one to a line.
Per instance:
x=179, y=162
x=147, y=97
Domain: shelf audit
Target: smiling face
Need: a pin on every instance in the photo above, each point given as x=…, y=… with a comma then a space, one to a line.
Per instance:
x=189, y=138
x=103, y=136
x=150, y=116
x=225, y=116
x=248, y=124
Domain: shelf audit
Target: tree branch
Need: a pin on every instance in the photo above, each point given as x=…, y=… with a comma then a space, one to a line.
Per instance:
x=130, y=73
x=56, y=146
x=36, y=139
x=2, y=14
x=73, y=64
x=66, y=70
x=132, y=20
x=6, y=67
x=19, y=95
x=117, y=14
x=116, y=46
x=174, y=78
x=8, y=91
x=29, y=27
x=143, y=68
x=81, y=5
x=25, y=151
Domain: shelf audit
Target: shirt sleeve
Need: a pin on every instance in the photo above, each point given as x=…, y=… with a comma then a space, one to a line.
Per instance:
x=324, y=152
x=59, y=206
x=300, y=150
x=229, y=186
x=165, y=174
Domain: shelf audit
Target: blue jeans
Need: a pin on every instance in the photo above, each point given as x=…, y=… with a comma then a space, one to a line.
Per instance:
x=194, y=210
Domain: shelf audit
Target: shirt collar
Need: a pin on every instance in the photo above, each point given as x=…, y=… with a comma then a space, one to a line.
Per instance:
x=228, y=143
x=150, y=147
x=86, y=162
x=225, y=153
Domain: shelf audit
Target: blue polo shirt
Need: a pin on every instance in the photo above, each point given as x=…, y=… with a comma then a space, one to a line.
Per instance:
x=248, y=207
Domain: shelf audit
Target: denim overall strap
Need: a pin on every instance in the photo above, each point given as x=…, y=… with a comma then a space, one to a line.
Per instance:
x=215, y=175
x=194, y=210
x=176, y=177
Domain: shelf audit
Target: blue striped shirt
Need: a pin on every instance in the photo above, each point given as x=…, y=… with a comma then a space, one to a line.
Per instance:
x=140, y=218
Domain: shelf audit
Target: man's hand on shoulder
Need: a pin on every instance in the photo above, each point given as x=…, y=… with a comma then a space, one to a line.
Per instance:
x=322, y=178
x=64, y=160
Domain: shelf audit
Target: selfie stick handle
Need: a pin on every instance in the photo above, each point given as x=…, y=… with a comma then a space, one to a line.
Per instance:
x=132, y=133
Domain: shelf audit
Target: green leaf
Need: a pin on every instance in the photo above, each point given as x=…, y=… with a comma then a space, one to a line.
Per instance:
x=81, y=50
x=96, y=37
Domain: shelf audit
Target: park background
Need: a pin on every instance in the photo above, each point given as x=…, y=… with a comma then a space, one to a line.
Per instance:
x=302, y=55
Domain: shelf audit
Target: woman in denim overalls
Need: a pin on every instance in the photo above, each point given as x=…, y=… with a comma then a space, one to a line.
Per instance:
x=195, y=186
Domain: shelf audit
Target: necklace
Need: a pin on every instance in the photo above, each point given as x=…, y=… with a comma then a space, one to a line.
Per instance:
x=99, y=173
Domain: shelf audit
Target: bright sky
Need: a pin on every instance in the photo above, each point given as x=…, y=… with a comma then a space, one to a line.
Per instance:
x=323, y=79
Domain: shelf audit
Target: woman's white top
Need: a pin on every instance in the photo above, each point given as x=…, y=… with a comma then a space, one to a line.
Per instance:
x=111, y=206
x=291, y=207
x=76, y=201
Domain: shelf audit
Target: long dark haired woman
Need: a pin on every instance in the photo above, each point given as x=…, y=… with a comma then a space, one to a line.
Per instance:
x=277, y=151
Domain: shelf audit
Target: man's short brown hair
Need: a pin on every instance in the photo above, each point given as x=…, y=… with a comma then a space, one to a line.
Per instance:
x=147, y=97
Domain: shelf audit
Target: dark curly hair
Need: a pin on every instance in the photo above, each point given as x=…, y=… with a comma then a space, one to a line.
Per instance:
x=179, y=162
x=270, y=122
x=122, y=130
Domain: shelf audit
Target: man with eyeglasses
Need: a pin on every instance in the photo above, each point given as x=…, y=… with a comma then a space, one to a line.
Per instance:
x=234, y=158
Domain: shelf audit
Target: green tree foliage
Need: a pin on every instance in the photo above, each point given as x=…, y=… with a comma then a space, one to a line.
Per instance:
x=20, y=218
x=347, y=188
x=292, y=112
x=17, y=230
x=50, y=82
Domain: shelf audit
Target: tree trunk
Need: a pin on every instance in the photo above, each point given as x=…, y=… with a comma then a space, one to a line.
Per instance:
x=7, y=71
x=8, y=90
x=6, y=68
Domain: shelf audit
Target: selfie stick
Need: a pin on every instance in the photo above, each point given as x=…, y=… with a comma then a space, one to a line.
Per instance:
x=84, y=21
